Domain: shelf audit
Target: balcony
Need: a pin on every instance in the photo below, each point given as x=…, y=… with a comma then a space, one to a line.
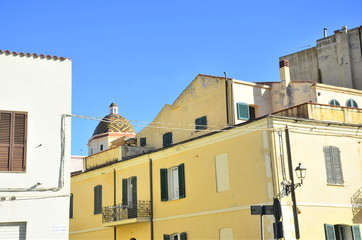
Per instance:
x=125, y=214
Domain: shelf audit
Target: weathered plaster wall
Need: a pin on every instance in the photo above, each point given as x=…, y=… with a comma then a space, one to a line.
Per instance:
x=336, y=60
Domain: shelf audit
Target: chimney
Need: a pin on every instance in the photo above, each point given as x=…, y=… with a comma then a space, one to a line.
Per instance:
x=284, y=72
x=324, y=32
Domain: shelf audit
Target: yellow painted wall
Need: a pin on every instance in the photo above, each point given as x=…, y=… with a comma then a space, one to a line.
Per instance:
x=255, y=165
x=319, y=202
x=103, y=157
x=83, y=190
x=204, y=96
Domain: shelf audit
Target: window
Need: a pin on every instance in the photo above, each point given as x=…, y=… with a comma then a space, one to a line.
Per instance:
x=333, y=165
x=175, y=236
x=98, y=199
x=129, y=196
x=129, y=191
x=351, y=103
x=12, y=141
x=334, y=102
x=245, y=111
x=173, y=183
x=167, y=139
x=71, y=206
x=201, y=123
x=342, y=232
x=101, y=147
x=143, y=141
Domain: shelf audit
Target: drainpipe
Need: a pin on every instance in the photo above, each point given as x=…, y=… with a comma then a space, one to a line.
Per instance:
x=292, y=191
x=151, y=198
x=227, y=99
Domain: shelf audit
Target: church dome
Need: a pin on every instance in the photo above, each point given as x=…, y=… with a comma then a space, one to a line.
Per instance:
x=114, y=123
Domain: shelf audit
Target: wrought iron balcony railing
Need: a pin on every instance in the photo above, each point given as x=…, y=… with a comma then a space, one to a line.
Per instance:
x=356, y=201
x=141, y=209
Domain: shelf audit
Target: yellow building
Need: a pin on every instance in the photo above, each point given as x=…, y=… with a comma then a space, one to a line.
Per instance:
x=203, y=188
x=212, y=103
x=223, y=146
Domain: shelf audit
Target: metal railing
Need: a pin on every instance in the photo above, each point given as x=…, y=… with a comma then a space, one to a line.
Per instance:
x=141, y=209
x=356, y=201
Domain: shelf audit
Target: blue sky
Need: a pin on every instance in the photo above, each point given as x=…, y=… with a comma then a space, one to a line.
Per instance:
x=142, y=54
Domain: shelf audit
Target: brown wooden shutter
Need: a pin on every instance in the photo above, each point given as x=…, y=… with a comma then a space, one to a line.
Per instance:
x=18, y=163
x=5, y=127
x=12, y=141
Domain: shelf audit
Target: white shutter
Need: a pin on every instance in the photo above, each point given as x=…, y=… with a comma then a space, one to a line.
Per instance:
x=13, y=231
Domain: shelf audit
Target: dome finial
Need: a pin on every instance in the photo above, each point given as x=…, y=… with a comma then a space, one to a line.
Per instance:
x=113, y=108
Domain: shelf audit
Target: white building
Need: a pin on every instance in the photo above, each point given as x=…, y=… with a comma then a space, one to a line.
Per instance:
x=35, y=95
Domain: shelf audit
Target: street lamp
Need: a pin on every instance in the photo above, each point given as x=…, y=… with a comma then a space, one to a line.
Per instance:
x=301, y=172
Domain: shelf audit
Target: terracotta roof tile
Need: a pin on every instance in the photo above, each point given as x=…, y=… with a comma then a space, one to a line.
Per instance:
x=21, y=54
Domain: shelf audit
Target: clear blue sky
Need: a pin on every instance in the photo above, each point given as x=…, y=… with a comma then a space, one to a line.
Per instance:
x=144, y=53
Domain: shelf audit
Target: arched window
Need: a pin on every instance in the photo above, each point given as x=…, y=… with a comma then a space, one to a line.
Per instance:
x=351, y=103
x=334, y=102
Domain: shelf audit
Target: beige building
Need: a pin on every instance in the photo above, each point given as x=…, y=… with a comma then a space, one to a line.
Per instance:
x=213, y=103
x=335, y=60
x=223, y=146
x=203, y=188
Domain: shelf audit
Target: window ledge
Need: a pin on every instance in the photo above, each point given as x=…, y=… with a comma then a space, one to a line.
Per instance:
x=335, y=185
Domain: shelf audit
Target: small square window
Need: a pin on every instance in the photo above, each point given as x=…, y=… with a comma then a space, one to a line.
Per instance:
x=201, y=123
x=167, y=139
x=143, y=142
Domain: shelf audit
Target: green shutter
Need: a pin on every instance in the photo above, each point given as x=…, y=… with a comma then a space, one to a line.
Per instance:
x=166, y=237
x=337, y=166
x=243, y=111
x=134, y=191
x=329, y=232
x=183, y=236
x=181, y=180
x=164, y=185
x=167, y=139
x=329, y=166
x=71, y=206
x=124, y=192
x=201, y=123
x=356, y=232
x=143, y=141
x=98, y=199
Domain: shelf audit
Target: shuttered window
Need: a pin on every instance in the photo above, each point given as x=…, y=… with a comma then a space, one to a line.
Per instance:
x=356, y=232
x=71, y=205
x=201, y=123
x=245, y=111
x=129, y=192
x=167, y=139
x=12, y=141
x=333, y=165
x=143, y=141
x=329, y=232
x=98, y=199
x=175, y=236
x=173, y=183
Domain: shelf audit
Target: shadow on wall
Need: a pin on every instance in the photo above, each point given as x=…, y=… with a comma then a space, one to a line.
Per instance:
x=357, y=218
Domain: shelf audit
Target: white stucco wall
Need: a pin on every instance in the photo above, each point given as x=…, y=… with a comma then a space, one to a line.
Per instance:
x=258, y=96
x=41, y=87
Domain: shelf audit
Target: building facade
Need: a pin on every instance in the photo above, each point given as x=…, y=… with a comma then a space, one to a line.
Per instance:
x=335, y=60
x=203, y=188
x=212, y=103
x=35, y=96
